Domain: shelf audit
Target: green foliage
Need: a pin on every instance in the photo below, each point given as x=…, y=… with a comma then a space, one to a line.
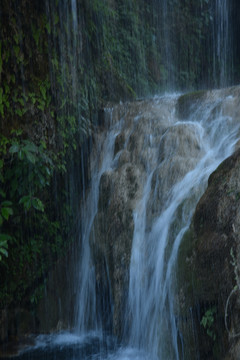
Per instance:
x=4, y=245
x=56, y=71
x=26, y=169
x=37, y=294
x=30, y=234
x=208, y=321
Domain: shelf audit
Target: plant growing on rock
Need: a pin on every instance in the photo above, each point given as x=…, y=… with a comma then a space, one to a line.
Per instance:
x=208, y=320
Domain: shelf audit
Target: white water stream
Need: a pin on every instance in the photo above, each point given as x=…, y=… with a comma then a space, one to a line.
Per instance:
x=177, y=165
x=176, y=156
x=222, y=40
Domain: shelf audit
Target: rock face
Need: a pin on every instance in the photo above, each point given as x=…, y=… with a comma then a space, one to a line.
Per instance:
x=164, y=138
x=152, y=149
x=113, y=229
x=120, y=190
x=136, y=153
x=210, y=254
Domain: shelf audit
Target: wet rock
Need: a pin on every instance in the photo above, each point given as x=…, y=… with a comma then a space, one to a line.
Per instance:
x=112, y=233
x=186, y=103
x=119, y=143
x=178, y=153
x=15, y=324
x=209, y=264
x=183, y=140
x=136, y=151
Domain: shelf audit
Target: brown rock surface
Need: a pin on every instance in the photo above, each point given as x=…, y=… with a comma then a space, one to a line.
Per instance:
x=113, y=229
x=210, y=255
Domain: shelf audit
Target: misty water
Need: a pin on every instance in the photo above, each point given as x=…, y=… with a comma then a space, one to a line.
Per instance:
x=177, y=155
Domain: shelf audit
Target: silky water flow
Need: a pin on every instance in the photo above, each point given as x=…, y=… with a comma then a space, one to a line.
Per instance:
x=174, y=156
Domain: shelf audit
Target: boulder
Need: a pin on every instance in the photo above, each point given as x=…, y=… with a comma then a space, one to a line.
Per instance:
x=111, y=240
x=209, y=268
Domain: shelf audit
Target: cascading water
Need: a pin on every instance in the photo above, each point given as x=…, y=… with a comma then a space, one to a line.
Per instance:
x=86, y=317
x=175, y=153
x=222, y=43
x=174, y=156
x=205, y=141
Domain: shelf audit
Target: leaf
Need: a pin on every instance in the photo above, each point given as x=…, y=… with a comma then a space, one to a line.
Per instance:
x=13, y=78
x=21, y=155
x=43, y=143
x=32, y=97
x=48, y=171
x=55, y=63
x=6, y=212
x=37, y=204
x=14, y=148
x=4, y=252
x=31, y=158
x=6, y=203
x=7, y=89
x=204, y=321
x=30, y=146
x=41, y=106
x=23, y=199
x=43, y=91
x=19, y=112
x=42, y=179
x=4, y=238
x=21, y=101
x=17, y=132
x=36, y=34
x=16, y=38
x=48, y=27
x=26, y=201
x=2, y=193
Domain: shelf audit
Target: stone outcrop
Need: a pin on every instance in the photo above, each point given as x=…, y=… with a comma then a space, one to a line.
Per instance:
x=209, y=267
x=152, y=144
x=153, y=140
x=111, y=238
x=136, y=152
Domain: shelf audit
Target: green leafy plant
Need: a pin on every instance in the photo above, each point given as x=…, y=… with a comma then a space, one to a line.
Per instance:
x=4, y=238
x=208, y=320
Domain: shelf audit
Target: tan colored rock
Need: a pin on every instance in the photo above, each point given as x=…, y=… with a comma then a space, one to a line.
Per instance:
x=112, y=233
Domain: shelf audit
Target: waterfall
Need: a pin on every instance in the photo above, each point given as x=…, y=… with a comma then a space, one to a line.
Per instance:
x=85, y=313
x=222, y=43
x=205, y=140
x=149, y=165
x=192, y=149
x=176, y=155
x=172, y=150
